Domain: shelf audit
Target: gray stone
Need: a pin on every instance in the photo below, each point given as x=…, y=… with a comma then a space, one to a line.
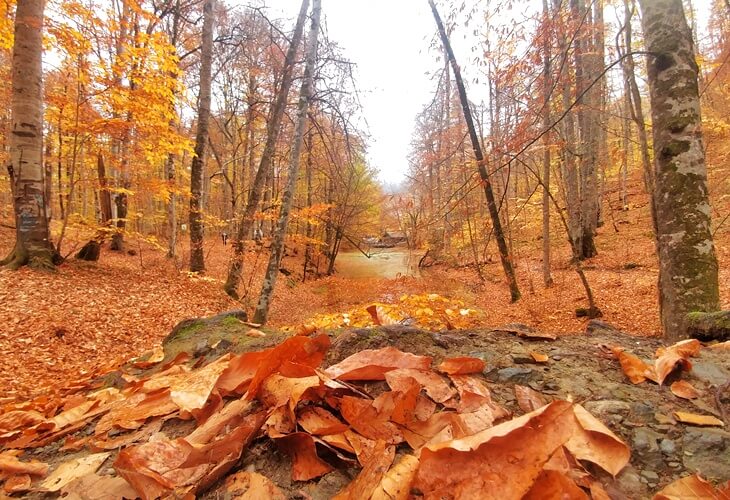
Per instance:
x=595, y=326
x=667, y=446
x=516, y=374
x=707, y=452
x=630, y=484
x=645, y=443
x=710, y=372
x=650, y=476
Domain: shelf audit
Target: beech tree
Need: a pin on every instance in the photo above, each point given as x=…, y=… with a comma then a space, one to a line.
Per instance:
x=688, y=269
x=29, y=182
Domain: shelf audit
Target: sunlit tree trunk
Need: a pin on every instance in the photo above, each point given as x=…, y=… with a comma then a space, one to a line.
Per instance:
x=688, y=269
x=305, y=97
x=27, y=172
x=197, y=169
x=504, y=252
x=246, y=222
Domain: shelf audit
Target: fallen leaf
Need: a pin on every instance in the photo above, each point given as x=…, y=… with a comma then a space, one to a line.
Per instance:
x=396, y=483
x=17, y=484
x=73, y=469
x=131, y=413
x=287, y=359
x=539, y=358
x=10, y=464
x=373, y=364
x=240, y=372
x=721, y=346
x=320, y=422
x=247, y=485
x=306, y=464
x=688, y=348
x=683, y=389
x=365, y=419
x=435, y=386
x=122, y=440
x=253, y=332
x=528, y=399
x=380, y=315
x=371, y=474
x=478, y=466
x=594, y=442
x=635, y=369
x=339, y=441
x=694, y=419
x=18, y=419
x=191, y=392
x=77, y=414
x=461, y=366
x=690, y=488
x=668, y=363
x=95, y=487
x=554, y=484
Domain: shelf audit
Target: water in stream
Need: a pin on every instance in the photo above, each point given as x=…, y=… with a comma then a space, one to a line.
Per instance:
x=383, y=263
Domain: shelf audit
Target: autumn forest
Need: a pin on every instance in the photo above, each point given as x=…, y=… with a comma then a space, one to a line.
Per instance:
x=228, y=269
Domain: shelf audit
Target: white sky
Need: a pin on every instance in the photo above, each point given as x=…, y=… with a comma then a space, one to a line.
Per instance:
x=388, y=41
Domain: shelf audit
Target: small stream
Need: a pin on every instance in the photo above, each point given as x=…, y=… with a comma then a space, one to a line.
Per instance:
x=383, y=263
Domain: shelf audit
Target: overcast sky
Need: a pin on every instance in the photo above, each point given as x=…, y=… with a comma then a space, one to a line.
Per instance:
x=388, y=41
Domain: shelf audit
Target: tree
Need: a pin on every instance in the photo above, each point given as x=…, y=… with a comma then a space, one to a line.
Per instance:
x=504, y=252
x=197, y=169
x=27, y=174
x=688, y=269
x=246, y=221
x=277, y=245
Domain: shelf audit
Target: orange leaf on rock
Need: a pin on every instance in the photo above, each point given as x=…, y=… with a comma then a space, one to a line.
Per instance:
x=668, y=363
x=306, y=464
x=396, y=484
x=473, y=395
x=435, y=386
x=478, y=466
x=320, y=422
x=371, y=474
x=190, y=393
x=95, y=487
x=594, y=442
x=285, y=357
x=18, y=419
x=554, y=484
x=72, y=470
x=694, y=419
x=339, y=441
x=529, y=399
x=17, y=484
x=635, y=369
x=721, y=346
x=277, y=390
x=683, y=389
x=461, y=366
x=688, y=348
x=131, y=413
x=373, y=364
x=539, y=357
x=365, y=419
x=10, y=464
x=247, y=485
x=380, y=315
x=691, y=487
x=240, y=372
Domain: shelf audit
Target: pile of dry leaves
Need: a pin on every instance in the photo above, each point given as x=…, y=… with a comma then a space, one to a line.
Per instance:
x=414, y=430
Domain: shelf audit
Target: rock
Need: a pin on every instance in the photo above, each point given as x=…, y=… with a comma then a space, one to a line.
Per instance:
x=707, y=452
x=516, y=375
x=645, y=442
x=629, y=483
x=709, y=326
x=710, y=372
x=667, y=446
x=596, y=326
x=650, y=476
x=608, y=410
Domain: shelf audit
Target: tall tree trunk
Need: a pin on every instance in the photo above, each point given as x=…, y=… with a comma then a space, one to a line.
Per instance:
x=277, y=245
x=272, y=133
x=27, y=172
x=688, y=269
x=310, y=230
x=546, y=119
x=504, y=253
x=197, y=169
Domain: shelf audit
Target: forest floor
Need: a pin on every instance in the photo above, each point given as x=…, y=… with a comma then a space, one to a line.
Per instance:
x=64, y=323
x=64, y=326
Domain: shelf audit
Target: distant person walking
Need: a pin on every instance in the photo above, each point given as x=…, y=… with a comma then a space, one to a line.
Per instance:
x=224, y=237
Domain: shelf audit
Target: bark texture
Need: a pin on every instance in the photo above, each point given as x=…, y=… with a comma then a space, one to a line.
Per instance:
x=27, y=173
x=197, y=169
x=305, y=96
x=688, y=270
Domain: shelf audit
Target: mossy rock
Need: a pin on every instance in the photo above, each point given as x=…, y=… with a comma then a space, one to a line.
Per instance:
x=212, y=336
x=709, y=326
